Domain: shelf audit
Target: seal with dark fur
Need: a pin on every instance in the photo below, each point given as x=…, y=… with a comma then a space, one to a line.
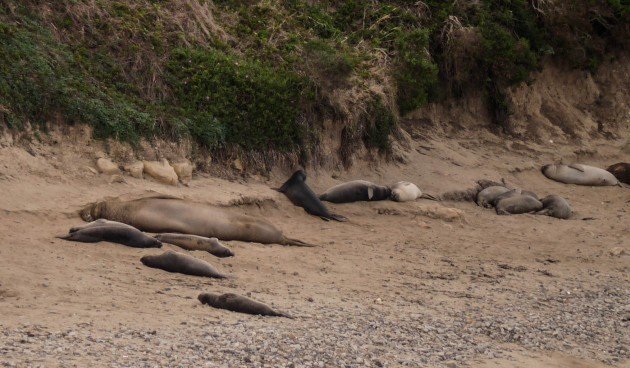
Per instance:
x=125, y=235
x=301, y=195
x=355, y=191
x=518, y=204
x=181, y=263
x=487, y=196
x=556, y=206
x=194, y=242
x=621, y=171
x=239, y=303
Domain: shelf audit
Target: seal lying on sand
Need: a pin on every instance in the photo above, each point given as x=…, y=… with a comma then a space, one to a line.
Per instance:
x=354, y=191
x=555, y=206
x=470, y=194
x=194, y=242
x=404, y=191
x=99, y=222
x=621, y=171
x=238, y=303
x=580, y=175
x=301, y=195
x=488, y=195
x=171, y=215
x=181, y=263
x=518, y=204
x=125, y=235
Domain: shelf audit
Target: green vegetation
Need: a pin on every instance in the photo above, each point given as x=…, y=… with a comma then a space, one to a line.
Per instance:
x=261, y=76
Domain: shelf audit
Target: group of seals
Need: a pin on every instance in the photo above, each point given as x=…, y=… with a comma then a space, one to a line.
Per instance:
x=508, y=201
x=580, y=174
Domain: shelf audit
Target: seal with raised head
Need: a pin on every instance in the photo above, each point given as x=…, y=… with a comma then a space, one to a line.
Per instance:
x=621, y=171
x=125, y=235
x=518, y=204
x=301, y=195
x=486, y=196
x=579, y=174
x=181, y=263
x=555, y=206
x=194, y=242
x=172, y=215
x=404, y=191
x=355, y=191
x=239, y=303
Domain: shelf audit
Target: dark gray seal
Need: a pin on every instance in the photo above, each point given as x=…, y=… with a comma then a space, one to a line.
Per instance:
x=301, y=195
x=239, y=303
x=125, y=235
x=621, y=171
x=194, y=242
x=181, y=263
x=355, y=191
x=556, y=206
x=486, y=196
x=518, y=204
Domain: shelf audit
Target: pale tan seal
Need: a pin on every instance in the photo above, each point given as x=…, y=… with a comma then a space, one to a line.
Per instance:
x=404, y=191
x=194, y=242
x=579, y=174
x=181, y=263
x=239, y=303
x=172, y=215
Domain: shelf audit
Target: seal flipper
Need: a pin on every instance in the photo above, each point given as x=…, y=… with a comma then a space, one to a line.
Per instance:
x=295, y=242
x=428, y=196
x=576, y=167
x=544, y=211
x=338, y=217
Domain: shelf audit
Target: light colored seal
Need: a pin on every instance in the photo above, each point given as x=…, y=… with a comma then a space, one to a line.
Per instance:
x=404, y=191
x=556, y=206
x=125, y=235
x=518, y=204
x=172, y=215
x=239, y=303
x=99, y=222
x=355, y=191
x=181, y=263
x=486, y=196
x=579, y=174
x=194, y=242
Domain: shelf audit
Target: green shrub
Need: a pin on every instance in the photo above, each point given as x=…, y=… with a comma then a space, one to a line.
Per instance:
x=379, y=123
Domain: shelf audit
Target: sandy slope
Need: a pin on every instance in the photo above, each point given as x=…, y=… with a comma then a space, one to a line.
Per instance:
x=389, y=288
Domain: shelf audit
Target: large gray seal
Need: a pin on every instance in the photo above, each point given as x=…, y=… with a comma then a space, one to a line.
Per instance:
x=172, y=215
x=621, y=171
x=181, y=263
x=518, y=204
x=556, y=206
x=301, y=195
x=194, y=242
x=125, y=235
x=579, y=174
x=486, y=196
x=239, y=303
x=355, y=191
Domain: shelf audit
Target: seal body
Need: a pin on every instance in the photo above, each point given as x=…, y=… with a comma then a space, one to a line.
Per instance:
x=355, y=191
x=125, y=235
x=404, y=191
x=181, y=263
x=510, y=193
x=238, y=303
x=301, y=195
x=518, y=204
x=172, y=215
x=555, y=206
x=579, y=174
x=194, y=242
x=621, y=171
x=99, y=222
x=486, y=196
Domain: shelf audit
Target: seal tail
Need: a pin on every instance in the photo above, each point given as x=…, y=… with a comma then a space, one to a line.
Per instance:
x=282, y=314
x=428, y=196
x=296, y=243
x=64, y=237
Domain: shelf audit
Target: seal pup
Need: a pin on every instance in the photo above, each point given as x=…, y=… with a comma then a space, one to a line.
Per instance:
x=355, y=191
x=556, y=206
x=194, y=242
x=181, y=263
x=301, y=195
x=125, y=235
x=579, y=174
x=621, y=171
x=99, y=222
x=404, y=191
x=518, y=204
x=510, y=193
x=486, y=196
x=239, y=303
x=173, y=215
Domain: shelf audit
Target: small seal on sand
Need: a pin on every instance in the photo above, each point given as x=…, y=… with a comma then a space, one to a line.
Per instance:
x=125, y=235
x=621, y=171
x=194, y=242
x=239, y=303
x=355, y=191
x=99, y=222
x=579, y=174
x=486, y=196
x=181, y=263
x=556, y=206
x=301, y=195
x=404, y=191
x=518, y=204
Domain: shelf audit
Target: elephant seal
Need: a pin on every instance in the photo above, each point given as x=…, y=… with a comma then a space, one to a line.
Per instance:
x=181, y=263
x=510, y=193
x=354, y=191
x=556, y=206
x=99, y=222
x=301, y=195
x=194, y=242
x=489, y=194
x=239, y=303
x=172, y=215
x=404, y=191
x=580, y=175
x=125, y=235
x=621, y=171
x=518, y=204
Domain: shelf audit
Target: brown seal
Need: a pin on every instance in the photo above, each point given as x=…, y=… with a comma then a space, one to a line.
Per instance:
x=556, y=206
x=621, y=171
x=194, y=242
x=125, y=235
x=518, y=204
x=181, y=263
x=239, y=303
